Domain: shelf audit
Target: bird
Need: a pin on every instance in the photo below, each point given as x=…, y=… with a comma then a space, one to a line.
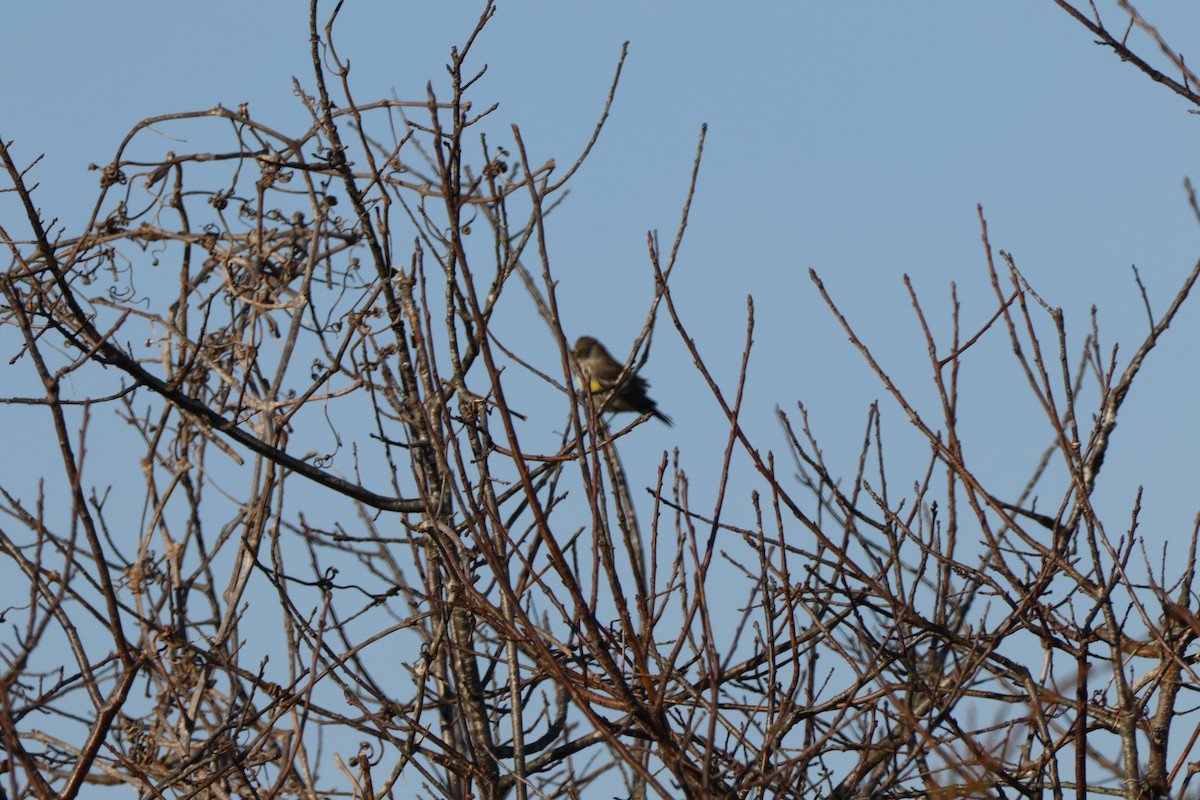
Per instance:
x=601, y=371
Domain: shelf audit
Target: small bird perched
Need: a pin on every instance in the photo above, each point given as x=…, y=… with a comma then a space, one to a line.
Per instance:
x=601, y=372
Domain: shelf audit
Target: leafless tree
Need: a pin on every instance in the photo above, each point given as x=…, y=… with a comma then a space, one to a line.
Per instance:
x=355, y=567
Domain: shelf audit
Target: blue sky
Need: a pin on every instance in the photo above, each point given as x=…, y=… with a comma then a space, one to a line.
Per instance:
x=851, y=139
x=854, y=139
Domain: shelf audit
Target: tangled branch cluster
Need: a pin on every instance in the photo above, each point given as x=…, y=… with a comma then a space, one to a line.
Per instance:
x=347, y=570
